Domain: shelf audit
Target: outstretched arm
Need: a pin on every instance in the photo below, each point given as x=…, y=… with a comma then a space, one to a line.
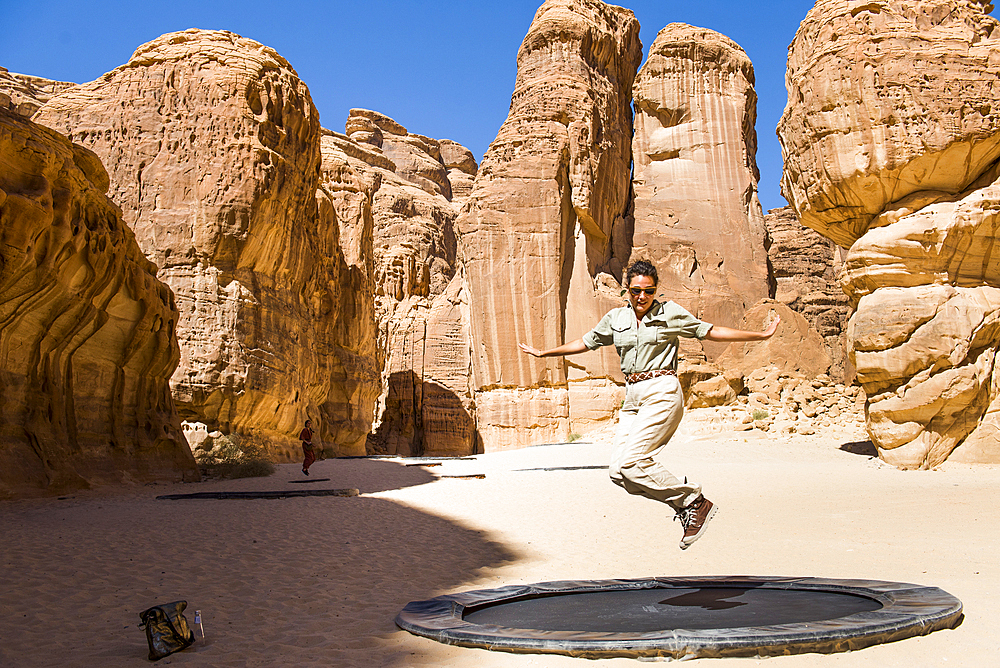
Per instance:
x=571, y=348
x=719, y=333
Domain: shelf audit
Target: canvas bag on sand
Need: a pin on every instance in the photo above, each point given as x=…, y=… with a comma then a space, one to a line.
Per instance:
x=167, y=630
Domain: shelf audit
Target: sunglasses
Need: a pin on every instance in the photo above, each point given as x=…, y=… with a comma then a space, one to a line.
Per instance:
x=635, y=292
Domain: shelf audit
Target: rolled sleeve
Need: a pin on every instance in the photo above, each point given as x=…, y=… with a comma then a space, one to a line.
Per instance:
x=702, y=330
x=601, y=335
x=680, y=322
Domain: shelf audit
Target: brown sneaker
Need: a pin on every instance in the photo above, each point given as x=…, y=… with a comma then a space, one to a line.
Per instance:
x=694, y=519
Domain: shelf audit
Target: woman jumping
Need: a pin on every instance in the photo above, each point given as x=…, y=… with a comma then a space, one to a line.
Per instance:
x=645, y=333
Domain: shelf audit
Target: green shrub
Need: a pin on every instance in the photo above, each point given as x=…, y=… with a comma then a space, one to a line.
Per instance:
x=759, y=414
x=236, y=456
x=574, y=437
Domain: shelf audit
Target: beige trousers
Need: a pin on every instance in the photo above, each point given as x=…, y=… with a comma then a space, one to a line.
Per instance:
x=648, y=418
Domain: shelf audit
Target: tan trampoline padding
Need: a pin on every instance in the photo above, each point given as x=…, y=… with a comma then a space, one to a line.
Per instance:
x=684, y=617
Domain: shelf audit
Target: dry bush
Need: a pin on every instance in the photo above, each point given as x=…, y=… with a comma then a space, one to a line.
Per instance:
x=237, y=456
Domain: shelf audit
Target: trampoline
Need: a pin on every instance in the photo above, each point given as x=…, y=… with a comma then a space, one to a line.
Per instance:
x=684, y=617
x=277, y=494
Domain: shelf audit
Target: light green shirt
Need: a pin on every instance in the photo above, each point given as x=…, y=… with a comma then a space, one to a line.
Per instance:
x=653, y=344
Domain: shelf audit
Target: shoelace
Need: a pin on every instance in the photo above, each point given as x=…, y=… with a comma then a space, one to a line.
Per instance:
x=686, y=516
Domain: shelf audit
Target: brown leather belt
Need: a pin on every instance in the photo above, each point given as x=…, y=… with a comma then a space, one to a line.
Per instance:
x=646, y=375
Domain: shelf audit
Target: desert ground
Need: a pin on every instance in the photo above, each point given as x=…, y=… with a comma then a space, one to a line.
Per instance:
x=318, y=581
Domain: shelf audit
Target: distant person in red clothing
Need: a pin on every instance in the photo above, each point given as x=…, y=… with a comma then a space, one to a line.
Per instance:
x=306, y=436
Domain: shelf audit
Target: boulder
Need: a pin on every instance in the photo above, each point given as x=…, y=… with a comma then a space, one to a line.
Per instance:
x=714, y=391
x=891, y=142
x=887, y=100
x=796, y=348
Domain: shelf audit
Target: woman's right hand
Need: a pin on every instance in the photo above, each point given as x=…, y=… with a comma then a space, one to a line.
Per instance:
x=534, y=352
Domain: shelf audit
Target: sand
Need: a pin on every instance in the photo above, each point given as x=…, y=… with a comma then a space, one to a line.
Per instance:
x=317, y=581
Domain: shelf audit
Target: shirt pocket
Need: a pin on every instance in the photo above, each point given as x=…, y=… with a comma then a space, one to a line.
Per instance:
x=660, y=331
x=623, y=335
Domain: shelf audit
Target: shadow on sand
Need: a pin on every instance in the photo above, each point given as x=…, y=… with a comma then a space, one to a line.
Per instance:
x=864, y=448
x=303, y=581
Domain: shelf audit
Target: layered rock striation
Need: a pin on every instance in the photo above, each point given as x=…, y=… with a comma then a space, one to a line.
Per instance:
x=24, y=94
x=213, y=146
x=805, y=266
x=891, y=142
x=544, y=230
x=87, y=341
x=420, y=301
x=696, y=210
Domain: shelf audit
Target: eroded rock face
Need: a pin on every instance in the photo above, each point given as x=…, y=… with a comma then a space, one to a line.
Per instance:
x=86, y=329
x=795, y=349
x=213, y=144
x=887, y=99
x=462, y=169
x=805, y=266
x=421, y=306
x=417, y=159
x=891, y=139
x=24, y=94
x=344, y=200
x=697, y=216
x=544, y=229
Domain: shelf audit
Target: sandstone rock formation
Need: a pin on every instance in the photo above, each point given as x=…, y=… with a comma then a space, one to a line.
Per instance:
x=382, y=274
x=805, y=266
x=462, y=169
x=213, y=147
x=795, y=351
x=789, y=403
x=697, y=215
x=24, y=94
x=796, y=347
x=544, y=227
x=891, y=143
x=86, y=330
x=426, y=407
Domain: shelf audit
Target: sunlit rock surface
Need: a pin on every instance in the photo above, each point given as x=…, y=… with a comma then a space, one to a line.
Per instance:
x=87, y=340
x=24, y=94
x=544, y=230
x=420, y=301
x=213, y=149
x=891, y=137
x=697, y=215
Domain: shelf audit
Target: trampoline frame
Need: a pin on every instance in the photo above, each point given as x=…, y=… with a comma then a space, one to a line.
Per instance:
x=908, y=610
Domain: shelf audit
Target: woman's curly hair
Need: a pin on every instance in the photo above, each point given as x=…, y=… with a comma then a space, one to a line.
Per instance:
x=641, y=268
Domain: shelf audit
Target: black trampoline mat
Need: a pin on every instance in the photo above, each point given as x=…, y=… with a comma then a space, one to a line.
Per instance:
x=646, y=610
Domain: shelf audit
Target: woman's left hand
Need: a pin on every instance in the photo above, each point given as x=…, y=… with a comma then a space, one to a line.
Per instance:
x=727, y=334
x=772, y=328
x=535, y=352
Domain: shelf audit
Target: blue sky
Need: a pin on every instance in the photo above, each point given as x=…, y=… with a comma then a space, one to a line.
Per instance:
x=442, y=68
